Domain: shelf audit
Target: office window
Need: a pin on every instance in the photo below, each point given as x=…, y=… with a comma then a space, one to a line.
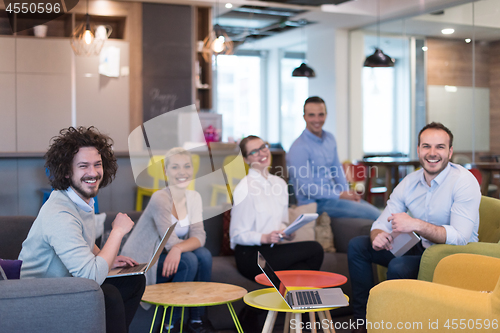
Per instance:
x=294, y=91
x=239, y=95
x=378, y=110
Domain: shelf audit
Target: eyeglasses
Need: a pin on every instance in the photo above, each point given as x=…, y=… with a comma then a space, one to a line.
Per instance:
x=254, y=152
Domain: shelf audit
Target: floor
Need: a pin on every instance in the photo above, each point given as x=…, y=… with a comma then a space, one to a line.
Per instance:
x=278, y=327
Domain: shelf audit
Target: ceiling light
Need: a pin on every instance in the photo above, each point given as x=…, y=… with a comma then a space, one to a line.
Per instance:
x=378, y=58
x=424, y=48
x=86, y=40
x=303, y=71
x=467, y=40
x=447, y=31
x=229, y=5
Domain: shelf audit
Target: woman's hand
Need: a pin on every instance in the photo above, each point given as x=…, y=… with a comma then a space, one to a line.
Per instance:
x=171, y=262
x=271, y=238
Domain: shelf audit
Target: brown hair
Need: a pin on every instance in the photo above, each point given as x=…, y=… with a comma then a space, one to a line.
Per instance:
x=243, y=144
x=314, y=99
x=439, y=126
x=59, y=157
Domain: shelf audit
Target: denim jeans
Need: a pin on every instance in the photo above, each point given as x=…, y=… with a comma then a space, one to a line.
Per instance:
x=348, y=208
x=193, y=266
x=360, y=257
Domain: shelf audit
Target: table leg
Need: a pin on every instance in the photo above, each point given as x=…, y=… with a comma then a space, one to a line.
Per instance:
x=270, y=320
x=298, y=320
x=182, y=317
x=486, y=181
x=235, y=318
x=330, y=321
x=312, y=320
x=288, y=317
x=367, y=184
x=154, y=317
x=388, y=182
x=322, y=318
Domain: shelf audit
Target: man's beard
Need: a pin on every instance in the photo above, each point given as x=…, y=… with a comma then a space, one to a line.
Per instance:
x=81, y=191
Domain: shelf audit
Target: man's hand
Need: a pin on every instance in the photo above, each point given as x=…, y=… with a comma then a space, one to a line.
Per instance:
x=171, y=262
x=122, y=224
x=350, y=195
x=273, y=237
x=402, y=222
x=121, y=261
x=382, y=240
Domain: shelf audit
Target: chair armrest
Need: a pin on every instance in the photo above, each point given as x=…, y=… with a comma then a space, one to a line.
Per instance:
x=52, y=305
x=435, y=253
x=419, y=304
x=468, y=271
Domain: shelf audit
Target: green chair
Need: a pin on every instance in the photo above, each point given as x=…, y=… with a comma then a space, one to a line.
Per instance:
x=488, y=244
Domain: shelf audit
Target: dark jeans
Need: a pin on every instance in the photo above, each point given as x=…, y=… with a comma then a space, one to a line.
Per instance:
x=301, y=255
x=193, y=266
x=121, y=297
x=360, y=257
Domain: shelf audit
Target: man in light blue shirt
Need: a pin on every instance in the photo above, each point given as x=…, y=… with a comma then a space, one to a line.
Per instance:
x=443, y=200
x=316, y=172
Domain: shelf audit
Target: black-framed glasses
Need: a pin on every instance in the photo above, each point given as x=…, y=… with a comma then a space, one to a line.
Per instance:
x=254, y=152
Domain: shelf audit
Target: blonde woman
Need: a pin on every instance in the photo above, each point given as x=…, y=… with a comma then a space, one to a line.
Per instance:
x=185, y=258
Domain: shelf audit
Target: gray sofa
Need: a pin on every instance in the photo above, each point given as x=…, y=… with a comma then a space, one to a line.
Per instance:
x=73, y=297
x=45, y=305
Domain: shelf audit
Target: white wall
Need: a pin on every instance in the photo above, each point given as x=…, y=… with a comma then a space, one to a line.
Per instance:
x=331, y=80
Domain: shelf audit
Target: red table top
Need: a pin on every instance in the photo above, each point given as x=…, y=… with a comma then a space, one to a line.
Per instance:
x=312, y=279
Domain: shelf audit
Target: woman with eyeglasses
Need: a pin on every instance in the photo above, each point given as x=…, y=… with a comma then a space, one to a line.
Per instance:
x=259, y=215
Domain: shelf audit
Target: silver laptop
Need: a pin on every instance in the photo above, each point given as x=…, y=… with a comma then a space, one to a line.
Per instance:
x=143, y=268
x=303, y=298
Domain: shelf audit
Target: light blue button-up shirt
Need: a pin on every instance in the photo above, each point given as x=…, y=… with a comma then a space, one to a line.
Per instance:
x=452, y=201
x=314, y=168
x=86, y=207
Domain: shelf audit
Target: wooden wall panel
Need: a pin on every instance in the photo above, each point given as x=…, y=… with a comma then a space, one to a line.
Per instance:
x=449, y=62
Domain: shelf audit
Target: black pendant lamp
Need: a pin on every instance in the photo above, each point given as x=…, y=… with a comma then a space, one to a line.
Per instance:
x=303, y=71
x=378, y=58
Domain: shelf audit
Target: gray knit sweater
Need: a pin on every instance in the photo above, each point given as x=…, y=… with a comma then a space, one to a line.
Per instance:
x=153, y=224
x=61, y=241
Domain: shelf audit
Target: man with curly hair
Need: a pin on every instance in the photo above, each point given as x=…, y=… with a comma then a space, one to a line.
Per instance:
x=61, y=241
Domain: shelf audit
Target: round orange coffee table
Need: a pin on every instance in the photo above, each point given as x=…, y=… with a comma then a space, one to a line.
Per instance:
x=311, y=279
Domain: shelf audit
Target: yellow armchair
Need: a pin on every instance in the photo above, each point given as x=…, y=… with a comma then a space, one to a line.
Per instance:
x=465, y=296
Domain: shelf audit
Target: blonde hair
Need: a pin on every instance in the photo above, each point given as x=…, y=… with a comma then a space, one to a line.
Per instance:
x=176, y=151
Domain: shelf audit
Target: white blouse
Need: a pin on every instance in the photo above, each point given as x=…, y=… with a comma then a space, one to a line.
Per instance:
x=260, y=206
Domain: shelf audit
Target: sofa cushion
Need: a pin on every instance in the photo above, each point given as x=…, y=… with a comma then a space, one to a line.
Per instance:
x=13, y=232
x=305, y=233
x=11, y=268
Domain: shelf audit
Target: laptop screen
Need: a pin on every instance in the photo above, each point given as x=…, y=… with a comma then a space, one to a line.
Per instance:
x=271, y=275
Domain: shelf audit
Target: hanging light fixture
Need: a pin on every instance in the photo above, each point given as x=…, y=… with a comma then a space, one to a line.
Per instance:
x=378, y=58
x=217, y=42
x=86, y=39
x=303, y=70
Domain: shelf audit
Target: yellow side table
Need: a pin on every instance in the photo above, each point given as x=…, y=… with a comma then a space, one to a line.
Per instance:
x=269, y=299
x=192, y=294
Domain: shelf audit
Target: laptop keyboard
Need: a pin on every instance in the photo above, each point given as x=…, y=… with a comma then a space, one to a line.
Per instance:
x=132, y=269
x=309, y=297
